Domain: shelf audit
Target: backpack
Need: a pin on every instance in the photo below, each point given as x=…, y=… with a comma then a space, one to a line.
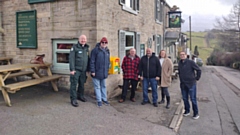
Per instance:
x=38, y=59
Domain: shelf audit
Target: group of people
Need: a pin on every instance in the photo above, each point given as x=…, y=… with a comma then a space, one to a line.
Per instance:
x=153, y=71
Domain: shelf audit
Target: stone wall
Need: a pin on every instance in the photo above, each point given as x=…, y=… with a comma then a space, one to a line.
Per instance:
x=1, y=30
x=64, y=19
x=112, y=18
x=55, y=20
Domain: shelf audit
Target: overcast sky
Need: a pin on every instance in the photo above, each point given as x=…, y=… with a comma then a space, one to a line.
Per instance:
x=203, y=12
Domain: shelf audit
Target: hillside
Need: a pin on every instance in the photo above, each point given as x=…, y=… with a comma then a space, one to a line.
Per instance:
x=204, y=47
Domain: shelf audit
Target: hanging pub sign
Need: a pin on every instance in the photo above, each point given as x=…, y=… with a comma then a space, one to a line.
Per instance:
x=174, y=19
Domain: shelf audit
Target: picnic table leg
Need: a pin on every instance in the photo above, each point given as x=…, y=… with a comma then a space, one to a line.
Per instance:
x=6, y=97
x=9, y=62
x=4, y=92
x=54, y=85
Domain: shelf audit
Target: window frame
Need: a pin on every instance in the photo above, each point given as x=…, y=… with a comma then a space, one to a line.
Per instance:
x=131, y=6
x=159, y=9
x=127, y=33
x=62, y=68
x=158, y=39
x=122, y=48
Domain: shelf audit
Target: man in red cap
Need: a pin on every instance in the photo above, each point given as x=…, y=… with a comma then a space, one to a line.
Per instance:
x=99, y=65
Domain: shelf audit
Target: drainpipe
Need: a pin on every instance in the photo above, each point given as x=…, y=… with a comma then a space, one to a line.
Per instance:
x=164, y=4
x=1, y=33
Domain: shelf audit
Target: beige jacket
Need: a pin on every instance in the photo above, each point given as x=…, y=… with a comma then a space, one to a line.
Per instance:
x=166, y=72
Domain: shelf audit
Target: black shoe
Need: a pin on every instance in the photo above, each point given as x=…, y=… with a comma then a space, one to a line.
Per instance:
x=83, y=99
x=161, y=102
x=144, y=102
x=155, y=105
x=196, y=116
x=74, y=103
x=168, y=106
x=168, y=102
x=186, y=113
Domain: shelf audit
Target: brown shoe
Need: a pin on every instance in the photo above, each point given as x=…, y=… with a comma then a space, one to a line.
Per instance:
x=133, y=100
x=121, y=100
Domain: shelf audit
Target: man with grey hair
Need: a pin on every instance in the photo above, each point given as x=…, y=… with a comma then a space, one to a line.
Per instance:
x=130, y=67
x=79, y=64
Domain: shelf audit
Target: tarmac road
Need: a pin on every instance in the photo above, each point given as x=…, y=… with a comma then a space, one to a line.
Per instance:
x=39, y=110
x=219, y=104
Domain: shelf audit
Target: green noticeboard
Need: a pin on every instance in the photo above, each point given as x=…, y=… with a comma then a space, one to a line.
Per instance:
x=38, y=1
x=26, y=29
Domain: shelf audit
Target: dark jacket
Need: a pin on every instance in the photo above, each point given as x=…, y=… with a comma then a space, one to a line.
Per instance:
x=100, y=62
x=130, y=67
x=186, y=70
x=149, y=67
x=79, y=58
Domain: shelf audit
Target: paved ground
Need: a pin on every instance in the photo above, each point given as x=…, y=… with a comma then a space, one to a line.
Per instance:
x=159, y=115
x=218, y=103
x=39, y=110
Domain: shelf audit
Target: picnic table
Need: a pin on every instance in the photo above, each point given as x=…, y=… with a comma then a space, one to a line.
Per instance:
x=7, y=71
x=5, y=59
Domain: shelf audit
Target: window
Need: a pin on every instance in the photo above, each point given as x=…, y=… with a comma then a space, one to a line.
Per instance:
x=159, y=11
x=158, y=44
x=61, y=50
x=131, y=6
x=128, y=40
x=38, y=1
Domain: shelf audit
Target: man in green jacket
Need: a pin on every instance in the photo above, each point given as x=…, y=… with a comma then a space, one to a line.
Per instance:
x=79, y=65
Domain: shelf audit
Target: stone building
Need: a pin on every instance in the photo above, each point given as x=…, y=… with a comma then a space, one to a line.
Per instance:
x=126, y=24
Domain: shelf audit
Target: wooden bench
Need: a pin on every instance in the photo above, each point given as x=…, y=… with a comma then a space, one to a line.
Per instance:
x=21, y=73
x=5, y=59
x=12, y=88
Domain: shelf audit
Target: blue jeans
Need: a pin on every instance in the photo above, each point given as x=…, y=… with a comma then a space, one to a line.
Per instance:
x=192, y=92
x=153, y=83
x=100, y=89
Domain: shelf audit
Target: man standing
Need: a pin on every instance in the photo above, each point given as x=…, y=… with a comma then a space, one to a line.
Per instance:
x=130, y=67
x=188, y=78
x=79, y=65
x=149, y=71
x=99, y=65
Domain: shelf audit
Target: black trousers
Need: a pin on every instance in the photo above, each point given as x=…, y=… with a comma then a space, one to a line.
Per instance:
x=78, y=79
x=126, y=86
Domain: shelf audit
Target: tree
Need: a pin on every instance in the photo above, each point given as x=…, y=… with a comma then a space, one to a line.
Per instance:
x=196, y=50
x=229, y=26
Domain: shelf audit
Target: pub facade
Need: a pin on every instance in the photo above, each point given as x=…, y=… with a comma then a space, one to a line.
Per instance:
x=51, y=27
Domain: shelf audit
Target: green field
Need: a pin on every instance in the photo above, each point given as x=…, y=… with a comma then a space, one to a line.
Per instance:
x=198, y=38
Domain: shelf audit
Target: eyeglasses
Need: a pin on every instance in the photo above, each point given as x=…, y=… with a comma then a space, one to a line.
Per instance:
x=182, y=54
x=104, y=42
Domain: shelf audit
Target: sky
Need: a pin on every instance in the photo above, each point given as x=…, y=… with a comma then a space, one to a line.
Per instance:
x=203, y=12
